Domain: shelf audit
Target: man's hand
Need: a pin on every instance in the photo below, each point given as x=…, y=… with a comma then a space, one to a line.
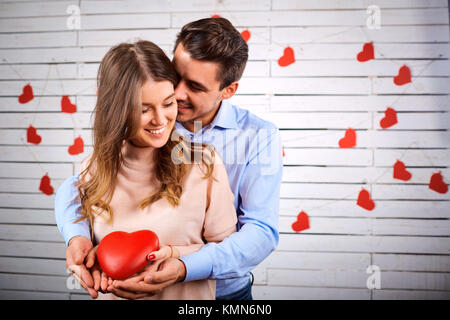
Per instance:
x=76, y=255
x=152, y=280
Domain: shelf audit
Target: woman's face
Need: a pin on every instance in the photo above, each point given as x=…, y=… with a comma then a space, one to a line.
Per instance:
x=158, y=115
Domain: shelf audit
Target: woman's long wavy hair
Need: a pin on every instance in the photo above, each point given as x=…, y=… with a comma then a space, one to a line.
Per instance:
x=121, y=75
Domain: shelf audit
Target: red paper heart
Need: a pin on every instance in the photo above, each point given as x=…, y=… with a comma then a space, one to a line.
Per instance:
x=437, y=183
x=32, y=136
x=77, y=147
x=302, y=222
x=367, y=53
x=364, y=200
x=246, y=35
x=27, y=94
x=403, y=77
x=287, y=58
x=283, y=153
x=215, y=16
x=400, y=171
x=349, y=140
x=67, y=106
x=390, y=118
x=122, y=254
x=45, y=186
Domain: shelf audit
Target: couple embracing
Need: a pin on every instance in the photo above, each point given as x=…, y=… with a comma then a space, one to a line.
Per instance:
x=216, y=215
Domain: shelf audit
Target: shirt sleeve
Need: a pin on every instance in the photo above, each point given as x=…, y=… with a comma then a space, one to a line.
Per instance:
x=259, y=193
x=68, y=209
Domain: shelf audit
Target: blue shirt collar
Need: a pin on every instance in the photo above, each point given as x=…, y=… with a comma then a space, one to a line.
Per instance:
x=225, y=117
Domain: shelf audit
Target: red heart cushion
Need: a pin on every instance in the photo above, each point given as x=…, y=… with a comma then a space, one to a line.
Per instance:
x=122, y=254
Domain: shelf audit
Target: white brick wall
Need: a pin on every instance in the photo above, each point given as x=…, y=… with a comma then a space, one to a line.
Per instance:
x=313, y=101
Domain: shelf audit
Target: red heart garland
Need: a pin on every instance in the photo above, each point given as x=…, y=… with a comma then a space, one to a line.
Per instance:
x=302, y=222
x=67, y=106
x=437, y=183
x=246, y=35
x=122, y=254
x=27, y=94
x=287, y=58
x=367, y=53
x=390, y=118
x=400, y=171
x=403, y=77
x=77, y=147
x=364, y=200
x=32, y=136
x=45, y=186
x=349, y=140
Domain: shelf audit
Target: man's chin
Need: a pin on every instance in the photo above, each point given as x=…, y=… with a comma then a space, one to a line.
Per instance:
x=184, y=118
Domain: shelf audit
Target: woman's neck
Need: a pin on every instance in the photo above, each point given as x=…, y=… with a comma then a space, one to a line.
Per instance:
x=137, y=155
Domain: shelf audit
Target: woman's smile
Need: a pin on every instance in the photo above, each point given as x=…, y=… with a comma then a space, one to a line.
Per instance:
x=157, y=133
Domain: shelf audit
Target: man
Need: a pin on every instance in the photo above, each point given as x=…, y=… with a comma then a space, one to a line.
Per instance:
x=210, y=57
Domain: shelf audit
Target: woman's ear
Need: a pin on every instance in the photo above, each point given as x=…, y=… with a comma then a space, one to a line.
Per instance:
x=230, y=90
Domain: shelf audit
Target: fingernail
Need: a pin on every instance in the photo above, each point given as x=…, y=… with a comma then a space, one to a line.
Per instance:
x=151, y=257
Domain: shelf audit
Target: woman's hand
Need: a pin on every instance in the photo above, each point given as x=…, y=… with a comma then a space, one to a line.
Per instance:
x=163, y=253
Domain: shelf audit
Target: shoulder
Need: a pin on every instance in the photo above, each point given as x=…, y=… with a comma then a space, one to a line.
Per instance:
x=258, y=131
x=246, y=119
x=85, y=162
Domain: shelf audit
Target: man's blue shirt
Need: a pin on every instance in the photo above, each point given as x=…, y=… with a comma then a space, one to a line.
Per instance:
x=251, y=151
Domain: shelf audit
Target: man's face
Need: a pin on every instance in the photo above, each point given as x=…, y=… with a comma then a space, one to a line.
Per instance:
x=197, y=94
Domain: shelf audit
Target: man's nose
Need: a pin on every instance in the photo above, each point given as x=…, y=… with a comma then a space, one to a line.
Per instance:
x=180, y=91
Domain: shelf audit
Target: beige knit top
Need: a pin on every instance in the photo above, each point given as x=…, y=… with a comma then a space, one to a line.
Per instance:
x=206, y=213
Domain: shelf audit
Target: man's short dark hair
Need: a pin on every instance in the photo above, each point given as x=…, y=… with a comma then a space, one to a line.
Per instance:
x=216, y=40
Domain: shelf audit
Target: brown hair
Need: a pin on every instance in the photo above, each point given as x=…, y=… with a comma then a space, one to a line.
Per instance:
x=216, y=40
x=121, y=75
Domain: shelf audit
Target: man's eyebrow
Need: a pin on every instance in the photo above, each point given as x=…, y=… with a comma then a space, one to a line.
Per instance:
x=198, y=84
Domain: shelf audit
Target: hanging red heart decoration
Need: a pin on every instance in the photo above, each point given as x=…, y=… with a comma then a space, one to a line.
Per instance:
x=122, y=254
x=349, y=140
x=364, y=200
x=45, y=185
x=77, y=147
x=67, y=106
x=367, y=53
x=403, y=77
x=287, y=58
x=390, y=118
x=246, y=35
x=400, y=171
x=302, y=222
x=32, y=136
x=27, y=94
x=437, y=183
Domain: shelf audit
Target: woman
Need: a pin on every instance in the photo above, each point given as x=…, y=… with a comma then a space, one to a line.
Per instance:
x=139, y=178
